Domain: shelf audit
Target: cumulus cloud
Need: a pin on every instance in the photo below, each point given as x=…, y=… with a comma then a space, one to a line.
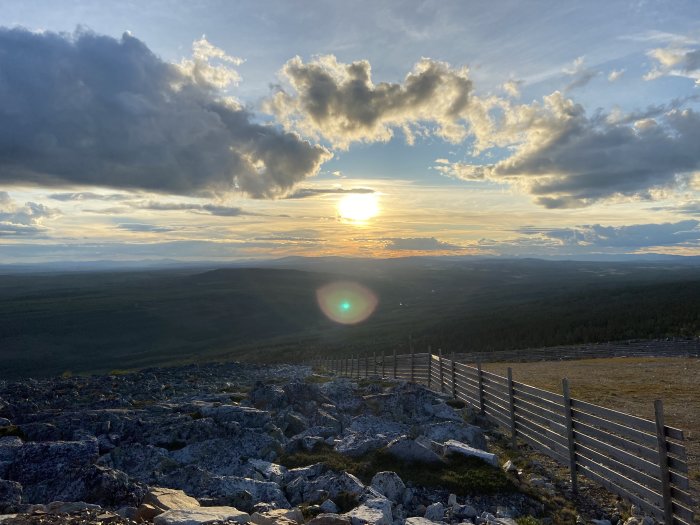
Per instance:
x=22, y=220
x=629, y=237
x=512, y=88
x=615, y=75
x=566, y=159
x=675, y=60
x=340, y=102
x=85, y=109
x=303, y=193
x=423, y=244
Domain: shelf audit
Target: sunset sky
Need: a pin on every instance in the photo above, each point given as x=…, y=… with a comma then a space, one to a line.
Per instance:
x=225, y=130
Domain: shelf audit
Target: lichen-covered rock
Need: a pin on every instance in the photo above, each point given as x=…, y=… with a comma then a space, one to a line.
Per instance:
x=447, y=430
x=274, y=517
x=201, y=515
x=389, y=484
x=456, y=447
x=166, y=499
x=355, y=444
x=375, y=511
x=329, y=519
x=407, y=449
x=435, y=512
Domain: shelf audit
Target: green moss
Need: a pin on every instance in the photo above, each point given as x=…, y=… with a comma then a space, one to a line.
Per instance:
x=317, y=379
x=527, y=520
x=12, y=430
x=196, y=415
x=458, y=474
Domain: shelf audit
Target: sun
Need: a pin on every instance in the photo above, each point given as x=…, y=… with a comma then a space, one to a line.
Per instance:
x=358, y=207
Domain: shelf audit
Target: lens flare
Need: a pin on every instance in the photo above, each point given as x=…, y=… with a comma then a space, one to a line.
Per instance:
x=346, y=302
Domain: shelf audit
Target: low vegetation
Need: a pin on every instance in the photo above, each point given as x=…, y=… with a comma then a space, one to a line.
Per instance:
x=460, y=475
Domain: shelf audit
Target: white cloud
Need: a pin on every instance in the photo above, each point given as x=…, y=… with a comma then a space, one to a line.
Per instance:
x=22, y=220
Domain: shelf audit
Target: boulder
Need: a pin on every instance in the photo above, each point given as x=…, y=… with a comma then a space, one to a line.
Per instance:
x=329, y=507
x=10, y=494
x=68, y=507
x=201, y=516
x=447, y=430
x=407, y=449
x=375, y=511
x=435, y=512
x=167, y=499
x=274, y=517
x=269, y=471
x=420, y=521
x=390, y=485
x=457, y=447
x=329, y=519
x=355, y=444
x=329, y=485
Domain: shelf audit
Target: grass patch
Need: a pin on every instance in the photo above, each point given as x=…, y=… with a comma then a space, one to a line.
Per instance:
x=317, y=379
x=12, y=430
x=196, y=415
x=459, y=474
x=527, y=520
x=456, y=403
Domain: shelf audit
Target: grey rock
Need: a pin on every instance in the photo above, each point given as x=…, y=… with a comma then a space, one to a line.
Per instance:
x=10, y=494
x=390, y=485
x=329, y=507
x=457, y=447
x=420, y=521
x=201, y=516
x=447, y=430
x=375, y=511
x=355, y=444
x=329, y=519
x=407, y=449
x=435, y=512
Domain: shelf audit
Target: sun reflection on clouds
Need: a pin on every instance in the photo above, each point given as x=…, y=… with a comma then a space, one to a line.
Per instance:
x=358, y=208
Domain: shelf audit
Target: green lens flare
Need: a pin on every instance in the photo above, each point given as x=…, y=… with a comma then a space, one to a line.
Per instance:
x=346, y=302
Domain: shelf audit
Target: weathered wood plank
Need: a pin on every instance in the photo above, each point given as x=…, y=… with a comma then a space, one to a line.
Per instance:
x=647, y=467
x=632, y=486
x=541, y=411
x=613, y=415
x=552, y=406
x=642, y=451
x=682, y=496
x=630, y=496
x=495, y=377
x=557, y=399
x=629, y=433
x=682, y=512
x=551, y=439
x=630, y=472
x=534, y=442
x=542, y=425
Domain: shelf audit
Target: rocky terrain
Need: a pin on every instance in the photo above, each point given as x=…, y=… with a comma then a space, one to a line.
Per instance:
x=234, y=443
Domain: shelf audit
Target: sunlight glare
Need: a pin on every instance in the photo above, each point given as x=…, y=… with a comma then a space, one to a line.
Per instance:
x=358, y=207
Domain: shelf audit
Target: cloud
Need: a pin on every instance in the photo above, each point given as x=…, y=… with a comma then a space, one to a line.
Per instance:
x=675, y=60
x=628, y=237
x=340, y=102
x=615, y=75
x=512, y=88
x=88, y=195
x=303, y=193
x=22, y=220
x=141, y=228
x=580, y=75
x=424, y=244
x=566, y=159
x=211, y=209
x=86, y=109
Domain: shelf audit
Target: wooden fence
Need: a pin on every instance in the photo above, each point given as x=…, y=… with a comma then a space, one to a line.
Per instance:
x=642, y=461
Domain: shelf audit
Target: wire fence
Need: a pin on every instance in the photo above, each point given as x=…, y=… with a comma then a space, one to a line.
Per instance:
x=641, y=460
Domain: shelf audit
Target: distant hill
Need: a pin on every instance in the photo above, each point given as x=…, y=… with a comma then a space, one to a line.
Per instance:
x=99, y=321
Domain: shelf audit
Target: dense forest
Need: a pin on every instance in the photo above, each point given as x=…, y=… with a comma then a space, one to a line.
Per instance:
x=97, y=322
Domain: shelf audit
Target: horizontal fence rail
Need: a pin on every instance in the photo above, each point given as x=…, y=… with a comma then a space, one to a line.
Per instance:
x=641, y=460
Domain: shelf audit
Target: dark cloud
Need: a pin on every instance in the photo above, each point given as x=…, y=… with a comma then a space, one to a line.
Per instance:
x=630, y=237
x=580, y=75
x=86, y=109
x=303, y=193
x=341, y=103
x=89, y=196
x=140, y=227
x=421, y=244
x=18, y=220
x=567, y=159
x=211, y=209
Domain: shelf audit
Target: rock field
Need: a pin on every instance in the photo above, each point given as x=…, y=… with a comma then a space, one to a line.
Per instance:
x=207, y=444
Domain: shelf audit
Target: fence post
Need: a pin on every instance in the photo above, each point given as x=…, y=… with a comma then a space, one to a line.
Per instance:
x=454, y=377
x=366, y=366
x=413, y=365
x=374, y=360
x=442, y=379
x=359, y=372
x=394, y=363
x=511, y=402
x=570, y=434
x=430, y=365
x=383, y=361
x=480, y=378
x=663, y=461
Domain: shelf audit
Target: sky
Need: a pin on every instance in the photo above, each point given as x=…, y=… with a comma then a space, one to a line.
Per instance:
x=222, y=131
